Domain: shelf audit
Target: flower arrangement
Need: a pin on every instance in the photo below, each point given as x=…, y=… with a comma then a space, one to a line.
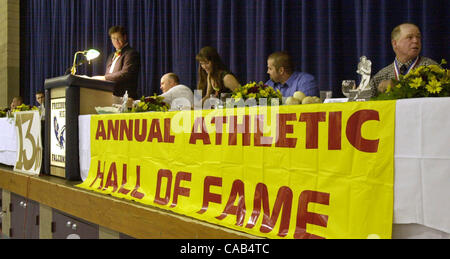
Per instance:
x=151, y=103
x=423, y=81
x=256, y=91
x=23, y=107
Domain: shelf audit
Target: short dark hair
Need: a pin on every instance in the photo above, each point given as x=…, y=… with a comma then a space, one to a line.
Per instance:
x=282, y=59
x=119, y=29
x=40, y=92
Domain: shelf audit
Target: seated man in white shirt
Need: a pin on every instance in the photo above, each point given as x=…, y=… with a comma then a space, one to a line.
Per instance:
x=178, y=96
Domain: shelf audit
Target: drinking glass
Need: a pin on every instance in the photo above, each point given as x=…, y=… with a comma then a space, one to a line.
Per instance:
x=348, y=85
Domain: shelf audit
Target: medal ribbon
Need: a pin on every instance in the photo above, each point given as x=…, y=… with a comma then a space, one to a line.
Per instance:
x=396, y=69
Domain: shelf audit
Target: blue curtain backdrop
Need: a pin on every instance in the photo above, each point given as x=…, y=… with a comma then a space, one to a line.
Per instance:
x=325, y=37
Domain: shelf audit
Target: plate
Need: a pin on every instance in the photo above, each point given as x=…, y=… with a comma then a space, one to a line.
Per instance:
x=106, y=110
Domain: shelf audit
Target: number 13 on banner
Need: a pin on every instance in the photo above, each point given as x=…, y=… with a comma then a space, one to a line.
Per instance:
x=29, y=144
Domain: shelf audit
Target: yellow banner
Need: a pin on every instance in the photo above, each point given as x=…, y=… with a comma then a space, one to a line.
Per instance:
x=304, y=171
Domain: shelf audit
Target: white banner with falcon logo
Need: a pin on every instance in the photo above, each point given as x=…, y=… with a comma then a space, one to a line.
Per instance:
x=58, y=132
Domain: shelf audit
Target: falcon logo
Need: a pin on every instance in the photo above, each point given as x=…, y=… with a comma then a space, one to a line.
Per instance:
x=59, y=133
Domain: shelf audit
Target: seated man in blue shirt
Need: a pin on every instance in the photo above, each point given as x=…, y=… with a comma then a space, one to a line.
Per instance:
x=283, y=77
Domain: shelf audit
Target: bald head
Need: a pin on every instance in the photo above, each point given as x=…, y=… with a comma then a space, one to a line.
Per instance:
x=168, y=81
x=395, y=34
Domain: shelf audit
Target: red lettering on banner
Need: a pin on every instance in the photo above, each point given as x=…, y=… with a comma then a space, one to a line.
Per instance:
x=140, y=134
x=202, y=135
x=122, y=189
x=167, y=137
x=312, y=120
x=261, y=195
x=304, y=217
x=168, y=175
x=236, y=190
x=99, y=175
x=283, y=129
x=334, y=130
x=178, y=190
x=219, y=121
x=207, y=195
x=243, y=128
x=284, y=199
x=353, y=131
x=111, y=179
x=127, y=129
x=259, y=139
x=135, y=193
x=181, y=176
x=113, y=129
x=155, y=131
x=100, y=130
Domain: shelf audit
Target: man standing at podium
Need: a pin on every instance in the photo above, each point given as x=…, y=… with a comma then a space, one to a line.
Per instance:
x=122, y=66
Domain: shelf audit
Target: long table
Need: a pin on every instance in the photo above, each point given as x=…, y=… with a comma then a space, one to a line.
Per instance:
x=422, y=165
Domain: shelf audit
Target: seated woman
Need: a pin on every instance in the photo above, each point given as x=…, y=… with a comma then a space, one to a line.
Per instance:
x=213, y=76
x=17, y=101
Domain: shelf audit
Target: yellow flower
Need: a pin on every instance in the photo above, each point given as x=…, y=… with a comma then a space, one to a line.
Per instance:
x=445, y=80
x=416, y=83
x=252, y=95
x=411, y=74
x=238, y=95
x=250, y=85
x=431, y=77
x=435, y=69
x=263, y=92
x=398, y=85
x=434, y=86
x=419, y=69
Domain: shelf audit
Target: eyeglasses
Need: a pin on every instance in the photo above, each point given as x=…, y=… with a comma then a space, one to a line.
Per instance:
x=117, y=38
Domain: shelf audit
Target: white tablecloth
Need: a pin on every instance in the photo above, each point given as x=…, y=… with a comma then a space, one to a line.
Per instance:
x=422, y=163
x=84, y=142
x=8, y=142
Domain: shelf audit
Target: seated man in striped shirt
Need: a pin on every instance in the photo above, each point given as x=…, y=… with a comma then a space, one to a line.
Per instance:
x=406, y=42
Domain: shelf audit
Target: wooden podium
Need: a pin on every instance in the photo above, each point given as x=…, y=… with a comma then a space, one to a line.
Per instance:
x=66, y=97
